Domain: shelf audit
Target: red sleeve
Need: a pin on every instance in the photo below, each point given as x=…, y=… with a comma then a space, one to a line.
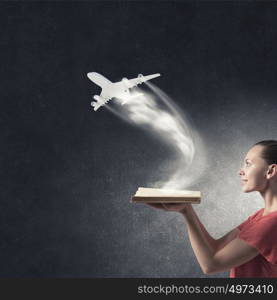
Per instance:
x=240, y=227
x=262, y=236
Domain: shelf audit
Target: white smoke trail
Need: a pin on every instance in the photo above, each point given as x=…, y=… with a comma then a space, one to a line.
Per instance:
x=162, y=117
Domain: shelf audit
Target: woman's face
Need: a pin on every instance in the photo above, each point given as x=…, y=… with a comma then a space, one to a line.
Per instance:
x=253, y=172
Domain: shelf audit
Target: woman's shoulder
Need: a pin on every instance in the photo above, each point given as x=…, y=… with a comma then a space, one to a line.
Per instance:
x=257, y=214
x=269, y=217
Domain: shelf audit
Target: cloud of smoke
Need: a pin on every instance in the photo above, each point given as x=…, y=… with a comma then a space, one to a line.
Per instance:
x=158, y=114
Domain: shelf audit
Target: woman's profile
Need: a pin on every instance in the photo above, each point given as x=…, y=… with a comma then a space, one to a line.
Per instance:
x=249, y=250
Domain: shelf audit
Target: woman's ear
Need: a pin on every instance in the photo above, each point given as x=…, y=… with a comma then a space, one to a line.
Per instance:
x=272, y=171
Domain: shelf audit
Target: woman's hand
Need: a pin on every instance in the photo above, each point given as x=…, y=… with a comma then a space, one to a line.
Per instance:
x=176, y=207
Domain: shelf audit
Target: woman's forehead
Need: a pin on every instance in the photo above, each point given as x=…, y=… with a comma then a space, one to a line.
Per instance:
x=254, y=152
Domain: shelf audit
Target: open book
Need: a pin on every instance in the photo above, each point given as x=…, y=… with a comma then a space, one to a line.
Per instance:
x=150, y=195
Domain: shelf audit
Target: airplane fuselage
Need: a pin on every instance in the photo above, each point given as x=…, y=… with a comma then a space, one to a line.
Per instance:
x=117, y=91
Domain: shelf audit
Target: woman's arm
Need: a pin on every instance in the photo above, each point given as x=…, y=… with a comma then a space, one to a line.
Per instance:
x=215, y=244
x=225, y=253
x=213, y=255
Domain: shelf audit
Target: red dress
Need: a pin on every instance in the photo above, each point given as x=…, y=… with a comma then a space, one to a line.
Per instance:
x=259, y=232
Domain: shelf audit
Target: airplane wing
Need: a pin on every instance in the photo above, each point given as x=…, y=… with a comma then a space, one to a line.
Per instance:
x=140, y=79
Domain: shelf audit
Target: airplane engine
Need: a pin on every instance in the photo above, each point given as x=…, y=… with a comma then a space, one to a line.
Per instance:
x=126, y=82
x=140, y=76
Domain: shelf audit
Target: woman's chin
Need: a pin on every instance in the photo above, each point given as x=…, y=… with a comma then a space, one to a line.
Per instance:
x=246, y=190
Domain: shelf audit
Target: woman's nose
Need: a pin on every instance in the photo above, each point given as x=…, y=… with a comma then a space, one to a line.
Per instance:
x=241, y=172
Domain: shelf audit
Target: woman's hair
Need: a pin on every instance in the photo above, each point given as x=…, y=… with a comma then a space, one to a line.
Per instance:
x=269, y=152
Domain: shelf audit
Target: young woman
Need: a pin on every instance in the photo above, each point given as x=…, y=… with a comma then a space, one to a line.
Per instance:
x=249, y=250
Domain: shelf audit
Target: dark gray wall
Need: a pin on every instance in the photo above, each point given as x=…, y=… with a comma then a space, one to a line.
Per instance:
x=67, y=173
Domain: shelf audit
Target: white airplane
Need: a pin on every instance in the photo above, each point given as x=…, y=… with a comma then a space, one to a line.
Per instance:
x=118, y=90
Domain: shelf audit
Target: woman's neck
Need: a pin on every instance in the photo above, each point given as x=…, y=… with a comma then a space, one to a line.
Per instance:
x=270, y=199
